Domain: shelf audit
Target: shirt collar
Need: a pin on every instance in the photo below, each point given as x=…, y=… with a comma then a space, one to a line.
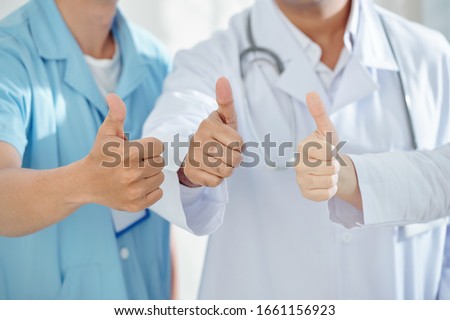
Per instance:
x=52, y=37
x=311, y=49
x=365, y=33
x=54, y=41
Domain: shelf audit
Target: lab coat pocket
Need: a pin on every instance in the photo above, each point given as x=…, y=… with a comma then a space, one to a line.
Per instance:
x=81, y=283
x=413, y=230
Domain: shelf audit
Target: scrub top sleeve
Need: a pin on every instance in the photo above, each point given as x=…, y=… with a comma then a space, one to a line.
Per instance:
x=14, y=102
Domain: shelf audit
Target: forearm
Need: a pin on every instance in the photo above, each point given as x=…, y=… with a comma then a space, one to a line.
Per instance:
x=31, y=200
x=348, y=186
x=404, y=187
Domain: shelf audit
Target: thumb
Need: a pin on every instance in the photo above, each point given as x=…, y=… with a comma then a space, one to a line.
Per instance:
x=224, y=98
x=319, y=114
x=114, y=121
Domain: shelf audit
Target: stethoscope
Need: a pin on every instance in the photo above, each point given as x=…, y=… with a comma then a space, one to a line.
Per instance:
x=269, y=56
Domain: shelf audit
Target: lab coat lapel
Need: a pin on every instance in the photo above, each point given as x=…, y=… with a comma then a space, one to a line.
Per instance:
x=299, y=78
x=371, y=51
x=356, y=84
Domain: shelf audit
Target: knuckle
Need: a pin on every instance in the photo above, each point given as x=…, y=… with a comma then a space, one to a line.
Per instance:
x=159, y=179
x=329, y=181
x=150, y=170
x=335, y=179
x=156, y=195
x=221, y=170
x=128, y=177
x=133, y=194
x=212, y=182
x=192, y=175
x=159, y=194
x=188, y=171
x=313, y=197
x=330, y=193
x=302, y=188
x=134, y=207
x=322, y=195
x=227, y=172
x=204, y=126
x=239, y=140
x=236, y=159
x=157, y=143
x=307, y=179
x=157, y=163
x=337, y=166
x=301, y=168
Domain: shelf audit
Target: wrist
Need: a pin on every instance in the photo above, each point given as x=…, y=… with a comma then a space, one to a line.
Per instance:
x=348, y=187
x=184, y=180
x=81, y=189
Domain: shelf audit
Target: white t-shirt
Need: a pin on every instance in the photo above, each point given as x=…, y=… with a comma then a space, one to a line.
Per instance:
x=106, y=73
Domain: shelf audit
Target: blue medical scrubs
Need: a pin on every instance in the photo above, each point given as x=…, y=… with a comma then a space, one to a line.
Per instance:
x=50, y=111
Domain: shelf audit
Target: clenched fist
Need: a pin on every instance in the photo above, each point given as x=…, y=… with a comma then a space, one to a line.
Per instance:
x=318, y=170
x=215, y=149
x=123, y=175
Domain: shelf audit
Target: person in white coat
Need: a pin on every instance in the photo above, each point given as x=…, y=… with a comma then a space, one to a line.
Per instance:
x=422, y=176
x=266, y=240
x=371, y=183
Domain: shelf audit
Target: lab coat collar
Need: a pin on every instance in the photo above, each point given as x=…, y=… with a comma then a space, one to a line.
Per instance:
x=300, y=77
x=54, y=41
x=375, y=51
x=271, y=32
x=371, y=51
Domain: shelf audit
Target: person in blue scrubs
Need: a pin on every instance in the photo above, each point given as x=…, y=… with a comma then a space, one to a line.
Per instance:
x=59, y=140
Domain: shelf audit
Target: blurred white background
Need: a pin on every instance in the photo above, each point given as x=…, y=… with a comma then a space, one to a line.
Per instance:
x=181, y=24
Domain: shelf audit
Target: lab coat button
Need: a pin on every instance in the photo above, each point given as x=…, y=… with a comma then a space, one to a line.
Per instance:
x=347, y=238
x=124, y=253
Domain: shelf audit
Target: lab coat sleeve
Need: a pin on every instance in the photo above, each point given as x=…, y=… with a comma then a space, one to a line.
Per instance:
x=404, y=188
x=15, y=99
x=188, y=98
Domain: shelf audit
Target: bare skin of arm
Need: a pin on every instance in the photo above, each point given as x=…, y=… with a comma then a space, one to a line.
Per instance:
x=31, y=200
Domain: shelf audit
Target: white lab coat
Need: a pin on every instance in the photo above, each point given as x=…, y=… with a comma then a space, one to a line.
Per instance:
x=267, y=241
x=423, y=177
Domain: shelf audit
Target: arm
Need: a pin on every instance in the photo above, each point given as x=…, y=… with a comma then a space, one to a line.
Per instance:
x=383, y=189
x=422, y=176
x=31, y=200
x=189, y=99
